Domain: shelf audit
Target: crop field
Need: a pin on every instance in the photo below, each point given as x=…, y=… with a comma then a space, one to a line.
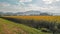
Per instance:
x=47, y=18
x=31, y=24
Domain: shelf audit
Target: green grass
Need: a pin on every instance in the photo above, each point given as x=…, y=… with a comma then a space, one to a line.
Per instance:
x=8, y=27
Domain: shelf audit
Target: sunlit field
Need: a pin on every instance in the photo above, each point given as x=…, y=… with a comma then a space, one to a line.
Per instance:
x=47, y=18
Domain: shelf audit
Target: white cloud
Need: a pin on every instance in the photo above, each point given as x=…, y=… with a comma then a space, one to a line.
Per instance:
x=6, y=7
x=19, y=8
x=21, y=2
x=50, y=1
x=4, y=4
x=35, y=7
x=57, y=0
x=25, y=0
x=52, y=9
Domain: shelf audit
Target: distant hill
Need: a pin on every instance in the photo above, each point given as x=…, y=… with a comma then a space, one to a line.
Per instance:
x=31, y=12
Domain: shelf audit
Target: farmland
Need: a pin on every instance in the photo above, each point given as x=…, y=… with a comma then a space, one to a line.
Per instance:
x=34, y=24
x=47, y=18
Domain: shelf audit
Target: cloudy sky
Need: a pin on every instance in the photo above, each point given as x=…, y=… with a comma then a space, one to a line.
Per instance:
x=26, y=5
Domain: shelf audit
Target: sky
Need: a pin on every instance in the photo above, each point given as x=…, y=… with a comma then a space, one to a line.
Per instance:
x=27, y=5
